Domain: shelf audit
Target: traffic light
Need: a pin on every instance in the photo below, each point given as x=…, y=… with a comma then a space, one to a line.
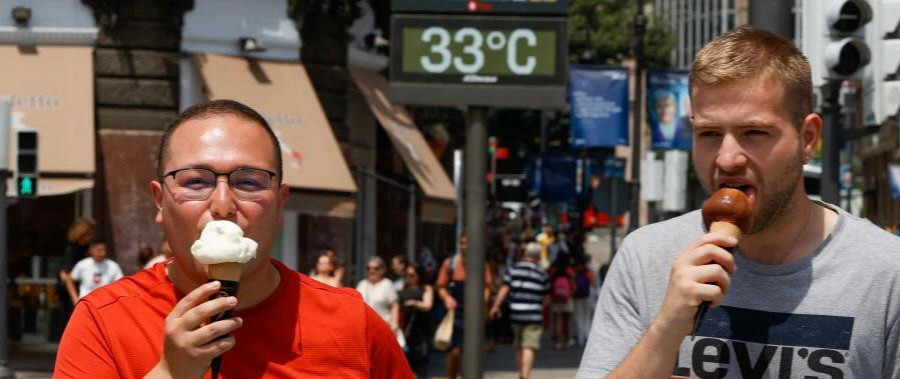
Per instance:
x=492, y=145
x=882, y=86
x=847, y=52
x=26, y=163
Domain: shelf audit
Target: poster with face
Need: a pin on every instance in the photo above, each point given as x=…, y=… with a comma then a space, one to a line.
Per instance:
x=668, y=109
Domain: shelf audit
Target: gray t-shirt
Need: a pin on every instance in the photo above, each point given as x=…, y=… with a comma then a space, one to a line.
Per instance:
x=833, y=314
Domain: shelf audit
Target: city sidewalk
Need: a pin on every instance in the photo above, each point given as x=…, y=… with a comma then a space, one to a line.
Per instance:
x=32, y=361
x=501, y=363
x=36, y=362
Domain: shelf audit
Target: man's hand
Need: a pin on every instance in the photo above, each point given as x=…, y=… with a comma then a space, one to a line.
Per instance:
x=190, y=343
x=699, y=274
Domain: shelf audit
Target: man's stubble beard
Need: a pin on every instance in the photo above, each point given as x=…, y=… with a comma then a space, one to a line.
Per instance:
x=771, y=207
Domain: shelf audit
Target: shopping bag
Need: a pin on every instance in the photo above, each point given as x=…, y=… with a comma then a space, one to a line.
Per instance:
x=401, y=339
x=444, y=332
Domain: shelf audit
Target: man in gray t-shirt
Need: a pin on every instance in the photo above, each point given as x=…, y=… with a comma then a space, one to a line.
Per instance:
x=807, y=291
x=834, y=313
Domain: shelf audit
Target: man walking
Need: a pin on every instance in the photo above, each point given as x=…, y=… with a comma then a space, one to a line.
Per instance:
x=526, y=285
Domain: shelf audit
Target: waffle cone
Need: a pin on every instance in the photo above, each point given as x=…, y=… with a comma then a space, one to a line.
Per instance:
x=226, y=271
x=726, y=228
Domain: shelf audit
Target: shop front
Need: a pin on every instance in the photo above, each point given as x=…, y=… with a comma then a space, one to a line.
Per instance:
x=250, y=52
x=48, y=80
x=429, y=225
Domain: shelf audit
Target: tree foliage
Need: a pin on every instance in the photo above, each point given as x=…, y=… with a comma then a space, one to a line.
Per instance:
x=603, y=32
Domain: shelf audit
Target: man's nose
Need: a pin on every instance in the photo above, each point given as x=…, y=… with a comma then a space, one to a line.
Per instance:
x=731, y=156
x=221, y=201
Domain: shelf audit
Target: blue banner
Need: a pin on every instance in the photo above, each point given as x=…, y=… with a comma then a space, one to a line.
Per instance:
x=598, y=96
x=669, y=109
x=558, y=183
x=894, y=177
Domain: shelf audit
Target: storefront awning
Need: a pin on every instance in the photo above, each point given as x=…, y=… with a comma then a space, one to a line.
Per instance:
x=405, y=136
x=52, y=91
x=283, y=94
x=438, y=211
x=318, y=204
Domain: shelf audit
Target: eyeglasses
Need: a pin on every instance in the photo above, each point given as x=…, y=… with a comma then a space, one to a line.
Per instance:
x=373, y=268
x=249, y=184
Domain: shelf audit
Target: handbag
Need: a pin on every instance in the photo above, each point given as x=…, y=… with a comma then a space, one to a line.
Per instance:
x=401, y=339
x=444, y=332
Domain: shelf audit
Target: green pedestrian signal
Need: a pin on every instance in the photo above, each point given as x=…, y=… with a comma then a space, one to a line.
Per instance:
x=26, y=186
x=26, y=168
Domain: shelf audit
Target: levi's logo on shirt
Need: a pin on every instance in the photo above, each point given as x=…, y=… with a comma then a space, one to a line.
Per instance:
x=745, y=343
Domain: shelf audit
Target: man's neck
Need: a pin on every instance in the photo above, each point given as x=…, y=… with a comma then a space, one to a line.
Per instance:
x=797, y=233
x=253, y=289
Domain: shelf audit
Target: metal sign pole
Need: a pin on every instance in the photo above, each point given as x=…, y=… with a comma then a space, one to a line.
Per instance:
x=5, y=119
x=638, y=122
x=458, y=186
x=475, y=200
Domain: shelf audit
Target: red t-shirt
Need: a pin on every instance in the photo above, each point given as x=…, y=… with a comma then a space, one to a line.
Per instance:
x=304, y=329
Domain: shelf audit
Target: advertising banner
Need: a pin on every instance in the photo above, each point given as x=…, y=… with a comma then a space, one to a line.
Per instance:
x=598, y=97
x=558, y=184
x=669, y=109
x=894, y=176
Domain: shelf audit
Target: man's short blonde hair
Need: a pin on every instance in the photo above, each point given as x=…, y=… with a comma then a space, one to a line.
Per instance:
x=748, y=52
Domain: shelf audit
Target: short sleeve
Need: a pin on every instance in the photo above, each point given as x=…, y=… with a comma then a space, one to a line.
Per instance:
x=386, y=359
x=77, y=271
x=391, y=292
x=117, y=272
x=83, y=351
x=617, y=324
x=507, y=277
x=443, y=274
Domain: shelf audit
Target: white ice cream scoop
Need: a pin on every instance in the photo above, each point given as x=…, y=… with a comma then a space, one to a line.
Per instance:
x=223, y=241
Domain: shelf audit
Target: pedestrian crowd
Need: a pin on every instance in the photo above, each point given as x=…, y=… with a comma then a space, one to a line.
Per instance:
x=534, y=282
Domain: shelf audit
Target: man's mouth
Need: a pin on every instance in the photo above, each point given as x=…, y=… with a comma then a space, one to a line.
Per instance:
x=743, y=186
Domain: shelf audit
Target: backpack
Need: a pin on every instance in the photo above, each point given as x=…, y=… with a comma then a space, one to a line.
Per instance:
x=582, y=285
x=562, y=289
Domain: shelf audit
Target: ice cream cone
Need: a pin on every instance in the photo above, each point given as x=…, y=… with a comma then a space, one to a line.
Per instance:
x=230, y=271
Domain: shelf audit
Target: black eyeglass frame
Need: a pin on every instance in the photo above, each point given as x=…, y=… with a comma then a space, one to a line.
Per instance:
x=172, y=173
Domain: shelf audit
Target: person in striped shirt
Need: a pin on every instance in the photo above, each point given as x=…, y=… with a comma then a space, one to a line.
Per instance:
x=527, y=287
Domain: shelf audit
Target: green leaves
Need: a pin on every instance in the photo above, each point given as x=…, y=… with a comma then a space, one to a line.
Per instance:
x=601, y=31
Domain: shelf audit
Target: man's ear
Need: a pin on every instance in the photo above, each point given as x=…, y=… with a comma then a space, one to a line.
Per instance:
x=156, y=192
x=810, y=133
x=283, y=193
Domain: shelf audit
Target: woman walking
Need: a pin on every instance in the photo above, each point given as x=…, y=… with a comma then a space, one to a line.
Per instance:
x=417, y=298
x=378, y=291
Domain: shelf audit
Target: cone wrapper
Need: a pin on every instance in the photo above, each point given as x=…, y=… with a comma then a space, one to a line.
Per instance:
x=229, y=274
x=230, y=271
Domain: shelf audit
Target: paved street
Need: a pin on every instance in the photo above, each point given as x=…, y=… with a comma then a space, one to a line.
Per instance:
x=501, y=364
x=32, y=361
x=36, y=362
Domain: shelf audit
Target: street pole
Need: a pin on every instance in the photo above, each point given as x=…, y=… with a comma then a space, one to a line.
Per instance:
x=411, y=227
x=5, y=118
x=613, y=214
x=637, y=121
x=475, y=200
x=458, y=189
x=829, y=181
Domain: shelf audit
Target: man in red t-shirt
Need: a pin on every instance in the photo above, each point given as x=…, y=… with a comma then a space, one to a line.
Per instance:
x=155, y=323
